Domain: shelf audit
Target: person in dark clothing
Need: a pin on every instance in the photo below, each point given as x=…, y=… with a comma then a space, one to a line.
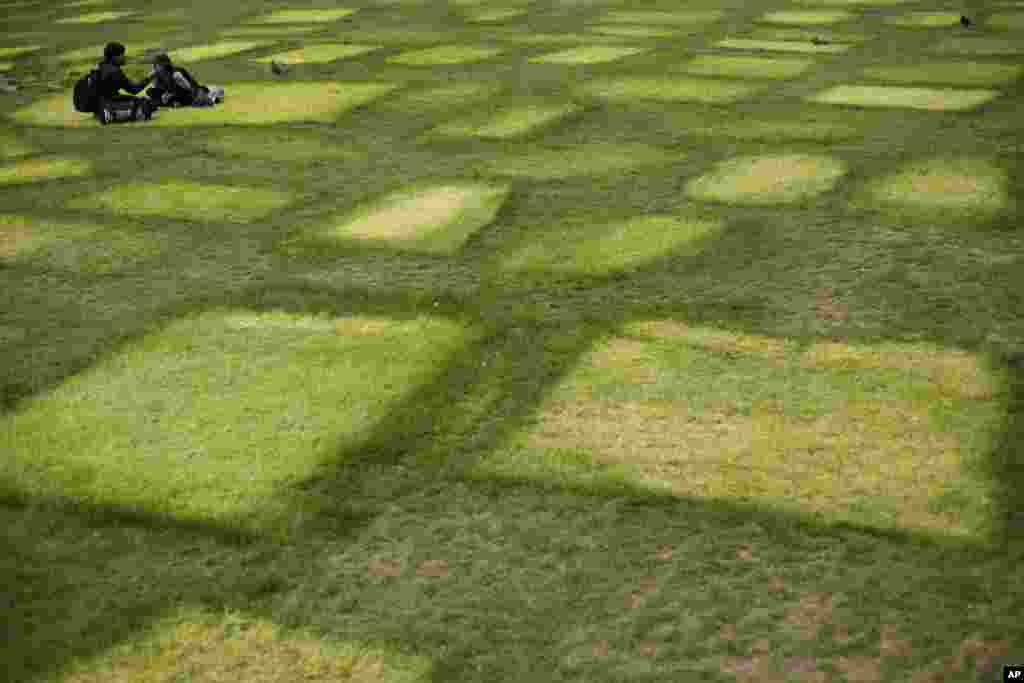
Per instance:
x=174, y=86
x=111, y=105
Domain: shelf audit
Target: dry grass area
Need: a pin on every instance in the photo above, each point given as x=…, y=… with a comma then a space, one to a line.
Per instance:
x=410, y=217
x=15, y=234
x=944, y=184
x=763, y=180
x=255, y=652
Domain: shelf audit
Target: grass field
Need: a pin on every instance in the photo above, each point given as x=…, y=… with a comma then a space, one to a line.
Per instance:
x=516, y=341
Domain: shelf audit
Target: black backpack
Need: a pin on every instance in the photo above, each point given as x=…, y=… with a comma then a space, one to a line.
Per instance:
x=86, y=92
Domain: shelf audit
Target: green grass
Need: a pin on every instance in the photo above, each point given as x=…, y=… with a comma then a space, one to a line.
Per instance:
x=679, y=360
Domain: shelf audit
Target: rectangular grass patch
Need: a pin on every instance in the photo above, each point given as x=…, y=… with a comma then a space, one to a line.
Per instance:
x=657, y=18
x=299, y=16
x=512, y=122
x=747, y=67
x=780, y=46
x=319, y=53
x=188, y=200
x=911, y=98
x=888, y=437
x=95, y=18
x=445, y=54
x=668, y=89
x=587, y=55
x=214, y=51
x=216, y=417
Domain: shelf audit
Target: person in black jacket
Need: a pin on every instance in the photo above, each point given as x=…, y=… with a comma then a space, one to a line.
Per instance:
x=111, y=105
x=174, y=86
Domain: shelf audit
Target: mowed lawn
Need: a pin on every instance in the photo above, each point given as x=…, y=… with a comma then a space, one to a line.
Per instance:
x=515, y=341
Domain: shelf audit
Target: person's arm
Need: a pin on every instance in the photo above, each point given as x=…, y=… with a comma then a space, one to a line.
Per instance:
x=126, y=84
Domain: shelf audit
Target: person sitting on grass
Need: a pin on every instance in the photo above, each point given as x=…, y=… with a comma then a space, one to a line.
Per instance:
x=174, y=86
x=110, y=104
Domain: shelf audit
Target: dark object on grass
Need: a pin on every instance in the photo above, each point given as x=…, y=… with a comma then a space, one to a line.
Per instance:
x=278, y=69
x=819, y=41
x=1015, y=358
x=964, y=21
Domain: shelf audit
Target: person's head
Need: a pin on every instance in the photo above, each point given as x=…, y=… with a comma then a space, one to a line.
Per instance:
x=114, y=53
x=162, y=63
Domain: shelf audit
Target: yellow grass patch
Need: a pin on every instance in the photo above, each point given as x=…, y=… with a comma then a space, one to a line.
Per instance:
x=187, y=200
x=255, y=651
x=632, y=31
x=925, y=19
x=213, y=51
x=667, y=89
x=980, y=46
x=780, y=46
x=8, y=52
x=580, y=160
x=617, y=246
x=17, y=236
x=886, y=454
x=808, y=17
x=931, y=99
x=768, y=180
x=318, y=53
x=1013, y=21
x=445, y=54
x=710, y=338
x=510, y=123
x=248, y=103
x=94, y=18
x=6, y=66
x=656, y=18
x=587, y=55
x=299, y=16
x=945, y=184
x=747, y=67
x=436, y=219
x=951, y=73
x=31, y=170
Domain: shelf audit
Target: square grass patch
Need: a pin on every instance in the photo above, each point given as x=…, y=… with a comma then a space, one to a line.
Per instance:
x=776, y=130
x=806, y=17
x=580, y=160
x=213, y=51
x=434, y=220
x=780, y=46
x=204, y=202
x=629, y=31
x=216, y=417
x=303, y=16
x=930, y=99
x=95, y=18
x=445, y=54
x=46, y=168
x=319, y=53
x=1012, y=21
x=587, y=249
x=925, y=19
x=77, y=247
x=657, y=18
x=202, y=644
x=768, y=180
x=979, y=46
x=19, y=51
x=248, y=103
x=668, y=89
x=950, y=73
x=587, y=55
x=950, y=187
x=747, y=67
x=882, y=437
x=510, y=123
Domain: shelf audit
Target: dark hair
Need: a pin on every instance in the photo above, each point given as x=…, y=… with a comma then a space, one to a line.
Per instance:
x=113, y=50
x=163, y=59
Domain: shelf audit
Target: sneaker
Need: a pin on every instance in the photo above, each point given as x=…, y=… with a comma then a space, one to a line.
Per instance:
x=106, y=116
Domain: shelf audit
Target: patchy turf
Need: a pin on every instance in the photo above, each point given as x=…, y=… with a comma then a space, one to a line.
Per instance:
x=685, y=364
